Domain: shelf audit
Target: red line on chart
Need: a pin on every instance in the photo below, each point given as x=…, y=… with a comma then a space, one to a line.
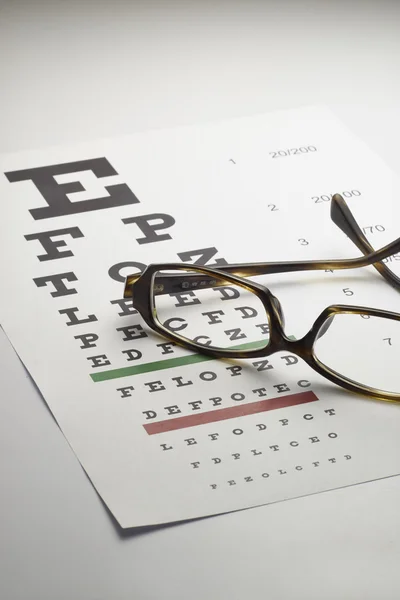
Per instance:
x=232, y=412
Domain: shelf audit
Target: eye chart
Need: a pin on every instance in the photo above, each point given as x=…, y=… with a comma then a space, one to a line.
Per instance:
x=164, y=434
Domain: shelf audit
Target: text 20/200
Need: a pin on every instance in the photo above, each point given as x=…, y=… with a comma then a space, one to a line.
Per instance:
x=293, y=151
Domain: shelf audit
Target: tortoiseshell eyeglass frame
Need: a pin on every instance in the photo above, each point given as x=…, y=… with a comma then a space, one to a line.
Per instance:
x=141, y=289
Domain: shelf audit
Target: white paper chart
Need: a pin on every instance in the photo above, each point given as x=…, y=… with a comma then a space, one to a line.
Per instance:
x=164, y=434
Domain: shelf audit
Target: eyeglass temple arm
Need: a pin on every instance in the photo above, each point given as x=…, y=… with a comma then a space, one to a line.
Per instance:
x=342, y=216
x=176, y=283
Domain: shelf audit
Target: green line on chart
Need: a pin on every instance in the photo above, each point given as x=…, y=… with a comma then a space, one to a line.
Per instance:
x=168, y=363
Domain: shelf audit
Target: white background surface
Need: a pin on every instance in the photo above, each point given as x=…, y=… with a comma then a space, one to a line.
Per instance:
x=73, y=71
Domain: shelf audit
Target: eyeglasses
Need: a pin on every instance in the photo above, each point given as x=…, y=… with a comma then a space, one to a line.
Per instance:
x=352, y=346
